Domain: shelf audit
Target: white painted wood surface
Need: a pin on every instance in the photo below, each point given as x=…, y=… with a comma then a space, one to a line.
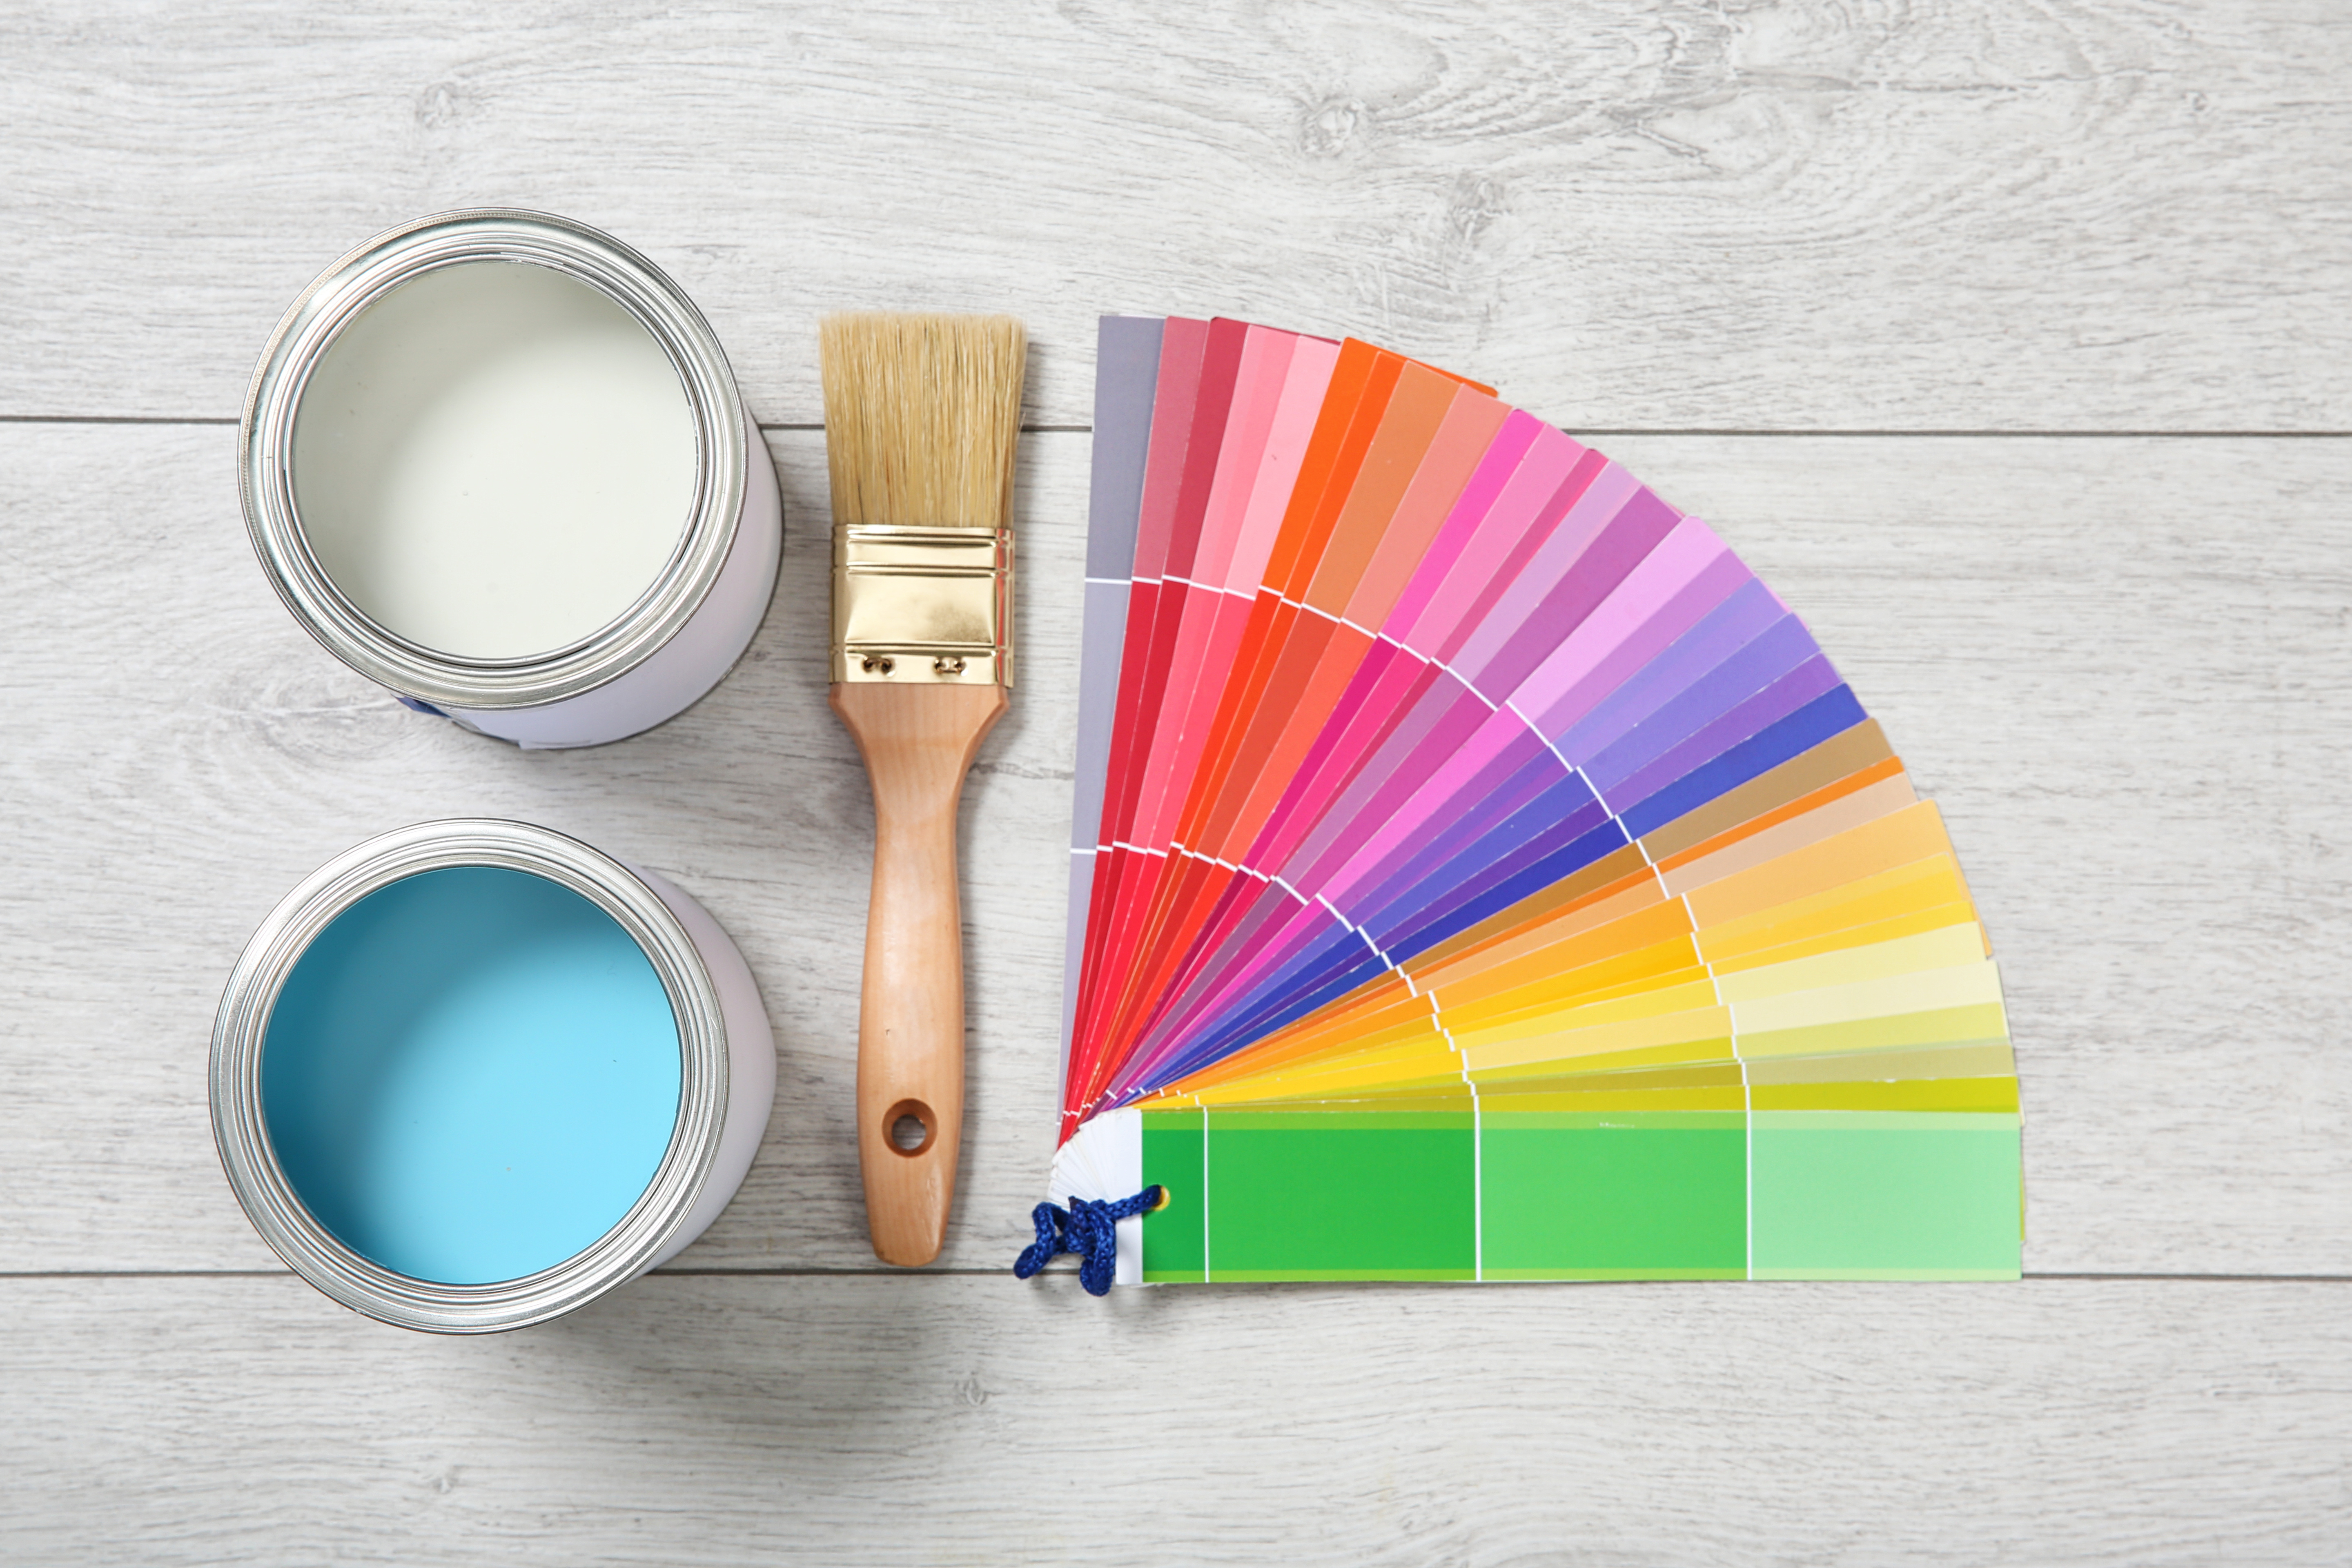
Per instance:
x=2122, y=663
x=2128, y=214
x=956, y=1420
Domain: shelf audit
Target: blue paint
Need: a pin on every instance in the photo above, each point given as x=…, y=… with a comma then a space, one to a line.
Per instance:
x=470, y=1075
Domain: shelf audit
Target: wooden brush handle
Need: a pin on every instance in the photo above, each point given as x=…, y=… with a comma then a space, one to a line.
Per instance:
x=917, y=742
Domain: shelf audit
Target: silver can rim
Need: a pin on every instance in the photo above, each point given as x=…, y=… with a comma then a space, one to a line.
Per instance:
x=335, y=299
x=242, y=1027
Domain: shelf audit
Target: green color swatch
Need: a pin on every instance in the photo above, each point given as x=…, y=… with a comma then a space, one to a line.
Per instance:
x=1349, y=1193
x=1626, y=1196
x=1175, y=1235
x=1886, y=1196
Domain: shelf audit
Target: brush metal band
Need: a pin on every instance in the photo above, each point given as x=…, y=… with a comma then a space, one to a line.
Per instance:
x=922, y=605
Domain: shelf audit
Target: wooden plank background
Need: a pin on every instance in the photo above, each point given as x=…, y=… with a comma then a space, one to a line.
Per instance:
x=2008, y=341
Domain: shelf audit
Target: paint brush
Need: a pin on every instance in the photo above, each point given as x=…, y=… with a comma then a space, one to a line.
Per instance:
x=921, y=416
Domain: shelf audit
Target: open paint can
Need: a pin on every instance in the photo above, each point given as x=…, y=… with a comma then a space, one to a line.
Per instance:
x=473, y=1073
x=496, y=462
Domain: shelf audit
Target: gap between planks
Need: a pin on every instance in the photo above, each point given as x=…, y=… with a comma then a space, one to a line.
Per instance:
x=885, y=1272
x=1724, y=432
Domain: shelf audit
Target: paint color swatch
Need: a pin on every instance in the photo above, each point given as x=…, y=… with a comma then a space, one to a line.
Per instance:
x=1479, y=873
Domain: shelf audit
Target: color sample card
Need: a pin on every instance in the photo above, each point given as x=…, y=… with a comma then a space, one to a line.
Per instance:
x=1479, y=873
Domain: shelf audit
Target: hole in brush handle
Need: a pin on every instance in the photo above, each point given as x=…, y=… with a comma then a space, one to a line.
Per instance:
x=910, y=1128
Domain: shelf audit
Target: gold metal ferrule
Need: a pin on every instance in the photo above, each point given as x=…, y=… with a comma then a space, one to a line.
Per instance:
x=926, y=606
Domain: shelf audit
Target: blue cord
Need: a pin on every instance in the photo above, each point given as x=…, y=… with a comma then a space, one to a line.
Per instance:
x=1088, y=1228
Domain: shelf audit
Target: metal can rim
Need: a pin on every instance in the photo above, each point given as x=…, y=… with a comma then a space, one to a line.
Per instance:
x=335, y=299
x=241, y=1027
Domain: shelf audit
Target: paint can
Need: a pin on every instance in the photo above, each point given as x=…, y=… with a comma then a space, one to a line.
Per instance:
x=496, y=462
x=441, y=1086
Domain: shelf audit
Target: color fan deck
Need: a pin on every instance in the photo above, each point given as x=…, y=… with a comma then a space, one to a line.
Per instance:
x=1477, y=873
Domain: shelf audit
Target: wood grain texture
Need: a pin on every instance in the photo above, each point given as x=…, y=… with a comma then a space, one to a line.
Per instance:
x=924, y=1420
x=918, y=742
x=2027, y=213
x=2124, y=667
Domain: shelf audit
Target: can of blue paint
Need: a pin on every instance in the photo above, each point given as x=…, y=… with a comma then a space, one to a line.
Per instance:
x=473, y=1073
x=496, y=462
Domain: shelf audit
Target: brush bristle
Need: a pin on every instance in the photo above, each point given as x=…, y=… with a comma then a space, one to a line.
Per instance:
x=921, y=416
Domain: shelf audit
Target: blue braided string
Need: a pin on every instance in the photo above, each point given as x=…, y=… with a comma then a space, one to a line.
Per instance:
x=1086, y=1228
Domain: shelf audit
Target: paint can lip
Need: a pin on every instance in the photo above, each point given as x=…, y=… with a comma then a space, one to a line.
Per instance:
x=335, y=299
x=242, y=1027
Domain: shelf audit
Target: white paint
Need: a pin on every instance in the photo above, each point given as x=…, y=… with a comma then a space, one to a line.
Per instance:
x=682, y=671
x=494, y=460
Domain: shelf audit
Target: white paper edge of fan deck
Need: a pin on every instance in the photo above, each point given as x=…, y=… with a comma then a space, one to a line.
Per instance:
x=1103, y=1162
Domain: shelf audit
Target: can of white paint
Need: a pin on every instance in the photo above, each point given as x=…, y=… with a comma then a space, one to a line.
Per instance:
x=496, y=462
x=471, y=1075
